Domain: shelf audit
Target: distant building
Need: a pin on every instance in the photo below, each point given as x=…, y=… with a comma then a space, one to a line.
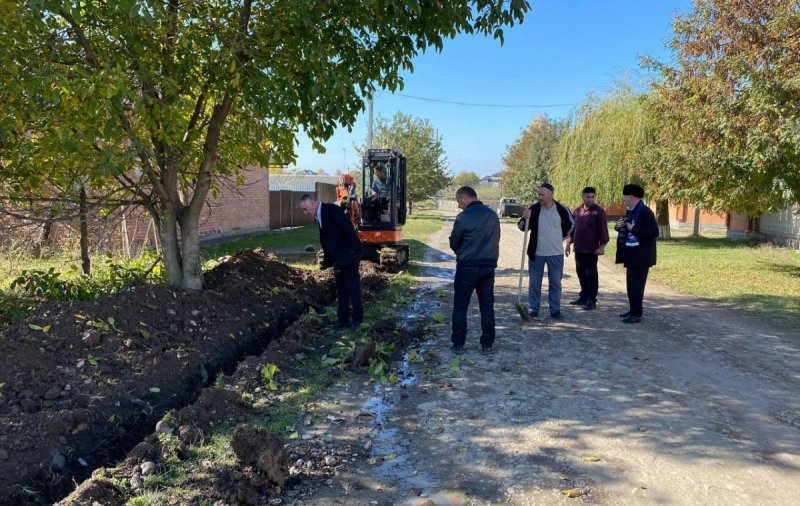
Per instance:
x=491, y=180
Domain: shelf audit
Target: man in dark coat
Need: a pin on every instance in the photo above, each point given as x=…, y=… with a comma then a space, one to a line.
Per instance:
x=636, y=248
x=341, y=250
x=476, y=242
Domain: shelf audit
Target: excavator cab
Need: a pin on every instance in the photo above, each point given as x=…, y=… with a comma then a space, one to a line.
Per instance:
x=383, y=208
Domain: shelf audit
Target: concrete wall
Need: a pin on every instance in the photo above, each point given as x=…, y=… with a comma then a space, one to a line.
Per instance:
x=782, y=228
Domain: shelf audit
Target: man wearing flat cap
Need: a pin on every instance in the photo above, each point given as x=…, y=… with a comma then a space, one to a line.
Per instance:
x=636, y=248
x=549, y=223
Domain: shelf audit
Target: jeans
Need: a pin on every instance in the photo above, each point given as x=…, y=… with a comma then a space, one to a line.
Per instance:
x=348, y=291
x=586, y=267
x=555, y=269
x=467, y=280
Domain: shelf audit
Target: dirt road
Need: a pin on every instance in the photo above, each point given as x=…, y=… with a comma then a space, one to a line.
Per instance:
x=696, y=405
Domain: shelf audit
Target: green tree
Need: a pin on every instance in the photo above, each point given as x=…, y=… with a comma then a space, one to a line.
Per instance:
x=529, y=160
x=466, y=178
x=728, y=136
x=425, y=160
x=170, y=96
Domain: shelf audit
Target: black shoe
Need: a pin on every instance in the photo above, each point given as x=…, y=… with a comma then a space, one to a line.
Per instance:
x=625, y=314
x=458, y=350
x=578, y=302
x=556, y=315
x=533, y=315
x=632, y=319
x=590, y=305
x=486, y=349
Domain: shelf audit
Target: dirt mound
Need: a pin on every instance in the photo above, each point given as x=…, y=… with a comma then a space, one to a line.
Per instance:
x=82, y=382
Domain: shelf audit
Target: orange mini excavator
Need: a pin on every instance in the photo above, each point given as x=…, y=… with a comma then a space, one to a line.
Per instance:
x=383, y=208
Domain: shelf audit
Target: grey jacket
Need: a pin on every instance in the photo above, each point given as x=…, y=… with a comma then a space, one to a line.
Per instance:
x=476, y=236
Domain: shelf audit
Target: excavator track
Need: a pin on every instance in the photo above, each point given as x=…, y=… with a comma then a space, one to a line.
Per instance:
x=394, y=258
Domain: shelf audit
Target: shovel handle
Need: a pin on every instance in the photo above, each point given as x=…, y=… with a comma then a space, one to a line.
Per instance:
x=522, y=260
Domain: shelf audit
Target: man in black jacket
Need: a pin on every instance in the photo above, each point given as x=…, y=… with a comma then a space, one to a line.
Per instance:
x=550, y=223
x=342, y=250
x=636, y=248
x=476, y=242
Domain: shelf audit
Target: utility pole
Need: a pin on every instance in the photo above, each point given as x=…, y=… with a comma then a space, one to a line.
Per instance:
x=369, y=126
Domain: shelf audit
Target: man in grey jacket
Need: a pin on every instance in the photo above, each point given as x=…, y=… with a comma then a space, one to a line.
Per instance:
x=476, y=242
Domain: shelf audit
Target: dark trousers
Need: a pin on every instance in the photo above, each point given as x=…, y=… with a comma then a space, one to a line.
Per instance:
x=635, y=280
x=586, y=267
x=481, y=281
x=348, y=291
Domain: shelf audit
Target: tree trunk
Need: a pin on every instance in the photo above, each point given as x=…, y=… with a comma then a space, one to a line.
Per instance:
x=410, y=207
x=662, y=218
x=170, y=249
x=696, y=222
x=45, y=236
x=190, y=249
x=86, y=263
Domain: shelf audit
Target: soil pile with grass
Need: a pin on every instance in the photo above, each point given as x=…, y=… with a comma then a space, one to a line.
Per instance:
x=81, y=383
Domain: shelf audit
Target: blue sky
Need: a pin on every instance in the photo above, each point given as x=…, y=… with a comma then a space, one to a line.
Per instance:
x=563, y=50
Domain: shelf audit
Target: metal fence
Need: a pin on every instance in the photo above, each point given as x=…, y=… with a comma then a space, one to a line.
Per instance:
x=283, y=211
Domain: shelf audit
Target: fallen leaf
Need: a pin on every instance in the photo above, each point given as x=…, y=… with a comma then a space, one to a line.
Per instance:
x=563, y=477
x=591, y=459
x=573, y=492
x=372, y=461
x=294, y=435
x=80, y=428
x=391, y=456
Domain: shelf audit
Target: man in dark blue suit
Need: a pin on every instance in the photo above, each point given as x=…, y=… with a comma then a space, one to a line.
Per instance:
x=342, y=250
x=636, y=248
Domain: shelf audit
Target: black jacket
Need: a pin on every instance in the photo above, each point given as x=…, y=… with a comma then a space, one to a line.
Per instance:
x=567, y=222
x=645, y=228
x=338, y=238
x=475, y=238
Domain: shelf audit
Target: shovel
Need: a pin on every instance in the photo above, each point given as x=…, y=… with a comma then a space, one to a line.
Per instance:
x=522, y=308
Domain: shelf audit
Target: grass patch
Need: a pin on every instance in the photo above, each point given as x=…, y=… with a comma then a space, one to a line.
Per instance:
x=276, y=240
x=755, y=277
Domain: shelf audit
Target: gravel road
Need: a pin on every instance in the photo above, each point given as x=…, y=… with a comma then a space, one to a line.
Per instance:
x=696, y=405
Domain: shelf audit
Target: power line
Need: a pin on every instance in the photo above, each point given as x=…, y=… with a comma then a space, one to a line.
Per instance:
x=473, y=104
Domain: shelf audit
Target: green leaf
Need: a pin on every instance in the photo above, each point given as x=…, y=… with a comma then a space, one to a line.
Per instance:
x=154, y=390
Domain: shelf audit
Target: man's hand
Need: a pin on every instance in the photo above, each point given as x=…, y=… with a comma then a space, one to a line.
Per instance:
x=600, y=251
x=567, y=248
x=526, y=213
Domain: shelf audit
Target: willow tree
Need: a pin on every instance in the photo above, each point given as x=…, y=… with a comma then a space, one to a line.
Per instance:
x=529, y=160
x=609, y=143
x=729, y=137
x=174, y=94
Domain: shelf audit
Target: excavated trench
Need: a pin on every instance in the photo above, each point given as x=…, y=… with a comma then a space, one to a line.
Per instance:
x=84, y=382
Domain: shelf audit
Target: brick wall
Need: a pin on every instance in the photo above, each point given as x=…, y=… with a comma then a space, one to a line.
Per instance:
x=682, y=215
x=233, y=211
x=238, y=210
